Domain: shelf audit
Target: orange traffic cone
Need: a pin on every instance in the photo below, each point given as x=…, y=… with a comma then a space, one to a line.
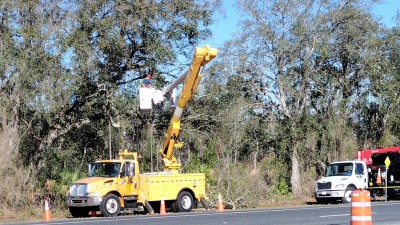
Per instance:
x=379, y=177
x=163, y=211
x=47, y=211
x=220, y=205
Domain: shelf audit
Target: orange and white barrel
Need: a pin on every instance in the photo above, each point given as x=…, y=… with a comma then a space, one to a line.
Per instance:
x=361, y=208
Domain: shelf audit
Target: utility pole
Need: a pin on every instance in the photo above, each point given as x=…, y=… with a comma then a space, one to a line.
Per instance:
x=109, y=137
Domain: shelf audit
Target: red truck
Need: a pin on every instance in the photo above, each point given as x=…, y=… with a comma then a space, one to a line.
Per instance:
x=378, y=158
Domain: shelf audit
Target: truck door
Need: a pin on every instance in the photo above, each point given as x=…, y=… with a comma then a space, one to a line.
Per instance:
x=361, y=175
x=128, y=187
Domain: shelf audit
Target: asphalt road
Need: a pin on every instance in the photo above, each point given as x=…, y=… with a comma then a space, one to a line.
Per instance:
x=382, y=213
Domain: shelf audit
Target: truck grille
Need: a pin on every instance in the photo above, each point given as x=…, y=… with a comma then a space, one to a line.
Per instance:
x=78, y=190
x=322, y=186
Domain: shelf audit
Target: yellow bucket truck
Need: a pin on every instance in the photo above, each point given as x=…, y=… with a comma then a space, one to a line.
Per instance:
x=115, y=186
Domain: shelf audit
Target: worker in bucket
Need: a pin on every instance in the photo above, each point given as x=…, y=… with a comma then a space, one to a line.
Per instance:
x=147, y=81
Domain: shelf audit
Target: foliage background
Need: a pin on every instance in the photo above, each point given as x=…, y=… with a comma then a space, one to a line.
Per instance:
x=305, y=83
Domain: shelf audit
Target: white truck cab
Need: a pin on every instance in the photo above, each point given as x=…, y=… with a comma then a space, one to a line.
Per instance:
x=341, y=179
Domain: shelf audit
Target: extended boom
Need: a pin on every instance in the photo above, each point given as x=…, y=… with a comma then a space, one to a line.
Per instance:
x=192, y=79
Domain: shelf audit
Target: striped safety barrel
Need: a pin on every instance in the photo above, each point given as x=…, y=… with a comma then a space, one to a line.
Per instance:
x=361, y=208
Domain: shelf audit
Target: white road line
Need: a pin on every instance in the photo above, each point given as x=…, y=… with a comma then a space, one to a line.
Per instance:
x=335, y=215
x=338, y=215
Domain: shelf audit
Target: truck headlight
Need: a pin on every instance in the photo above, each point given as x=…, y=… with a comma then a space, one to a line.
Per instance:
x=339, y=186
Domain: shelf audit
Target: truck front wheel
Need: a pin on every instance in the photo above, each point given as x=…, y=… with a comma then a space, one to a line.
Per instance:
x=347, y=195
x=185, y=202
x=79, y=211
x=110, y=206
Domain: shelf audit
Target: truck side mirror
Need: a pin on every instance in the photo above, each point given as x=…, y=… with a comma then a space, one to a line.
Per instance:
x=89, y=169
x=131, y=170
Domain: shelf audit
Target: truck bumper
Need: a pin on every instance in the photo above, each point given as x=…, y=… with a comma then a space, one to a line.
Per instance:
x=84, y=201
x=329, y=194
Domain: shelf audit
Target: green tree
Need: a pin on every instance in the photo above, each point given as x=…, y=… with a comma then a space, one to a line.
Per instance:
x=379, y=125
x=310, y=63
x=69, y=69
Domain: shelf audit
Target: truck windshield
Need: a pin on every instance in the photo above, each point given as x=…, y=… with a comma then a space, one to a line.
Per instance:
x=109, y=169
x=340, y=169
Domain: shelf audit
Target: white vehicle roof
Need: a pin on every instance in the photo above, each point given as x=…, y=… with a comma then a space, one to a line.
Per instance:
x=350, y=161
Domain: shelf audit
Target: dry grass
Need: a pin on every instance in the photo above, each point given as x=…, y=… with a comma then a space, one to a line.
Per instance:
x=30, y=214
x=16, y=188
x=287, y=201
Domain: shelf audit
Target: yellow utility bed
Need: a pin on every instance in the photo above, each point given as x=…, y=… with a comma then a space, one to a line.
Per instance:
x=155, y=186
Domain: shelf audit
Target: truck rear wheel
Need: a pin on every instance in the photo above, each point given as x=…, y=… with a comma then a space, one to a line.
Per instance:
x=347, y=194
x=79, y=211
x=110, y=206
x=185, y=202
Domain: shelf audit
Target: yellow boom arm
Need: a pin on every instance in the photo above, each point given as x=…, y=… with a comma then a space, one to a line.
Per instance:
x=192, y=79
